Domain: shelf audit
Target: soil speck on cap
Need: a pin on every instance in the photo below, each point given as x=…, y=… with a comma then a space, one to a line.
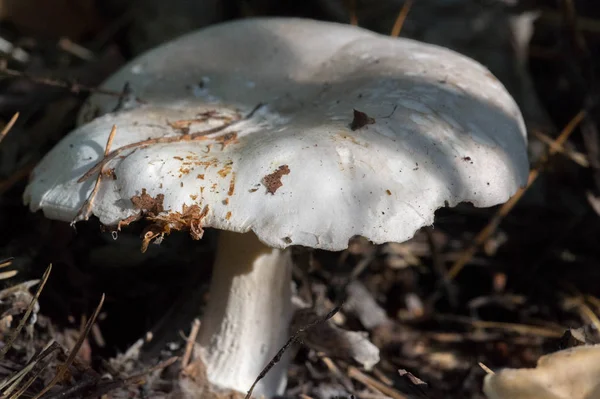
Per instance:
x=147, y=204
x=360, y=120
x=273, y=181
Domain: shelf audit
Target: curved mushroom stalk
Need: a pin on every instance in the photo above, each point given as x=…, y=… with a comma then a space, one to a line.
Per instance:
x=247, y=318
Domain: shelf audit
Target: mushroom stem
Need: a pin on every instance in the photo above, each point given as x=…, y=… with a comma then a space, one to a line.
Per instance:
x=248, y=315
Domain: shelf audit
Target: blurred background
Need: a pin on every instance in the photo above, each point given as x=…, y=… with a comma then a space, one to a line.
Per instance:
x=497, y=286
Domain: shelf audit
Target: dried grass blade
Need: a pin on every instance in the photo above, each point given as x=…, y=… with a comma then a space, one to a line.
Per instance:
x=29, y=382
x=8, y=274
x=8, y=126
x=6, y=262
x=189, y=346
x=74, y=351
x=165, y=140
x=401, y=18
x=289, y=343
x=86, y=209
x=24, y=319
x=372, y=383
x=51, y=347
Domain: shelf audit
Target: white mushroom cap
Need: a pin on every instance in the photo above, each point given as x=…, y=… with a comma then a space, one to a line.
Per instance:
x=445, y=131
x=568, y=374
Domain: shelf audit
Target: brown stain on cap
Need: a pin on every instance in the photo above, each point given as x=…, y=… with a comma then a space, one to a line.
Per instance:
x=231, y=185
x=273, y=181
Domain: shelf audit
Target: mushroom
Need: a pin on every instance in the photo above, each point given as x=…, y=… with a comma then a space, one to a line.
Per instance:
x=567, y=374
x=283, y=132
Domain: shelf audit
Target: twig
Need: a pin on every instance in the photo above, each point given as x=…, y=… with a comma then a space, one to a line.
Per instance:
x=162, y=365
x=63, y=368
x=585, y=311
x=372, y=383
x=494, y=222
x=294, y=338
x=73, y=48
x=86, y=209
x=486, y=368
x=523, y=329
x=352, y=11
x=202, y=135
x=8, y=126
x=577, y=157
x=401, y=18
x=70, y=86
x=18, y=376
x=335, y=371
x=103, y=388
x=15, y=334
x=189, y=346
x=75, y=391
x=8, y=274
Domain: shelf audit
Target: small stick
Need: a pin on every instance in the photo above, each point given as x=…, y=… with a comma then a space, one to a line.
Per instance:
x=577, y=157
x=73, y=48
x=294, y=338
x=72, y=87
x=202, y=135
x=9, y=342
x=8, y=126
x=189, y=346
x=86, y=209
x=401, y=18
x=486, y=368
x=8, y=274
x=372, y=383
x=63, y=368
x=353, y=13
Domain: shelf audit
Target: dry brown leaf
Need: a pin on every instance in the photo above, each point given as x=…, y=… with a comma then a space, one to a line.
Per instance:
x=568, y=374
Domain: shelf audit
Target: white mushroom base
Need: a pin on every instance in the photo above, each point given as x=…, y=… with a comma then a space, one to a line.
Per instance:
x=248, y=315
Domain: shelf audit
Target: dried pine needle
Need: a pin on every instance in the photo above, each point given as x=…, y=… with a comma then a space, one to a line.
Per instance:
x=401, y=18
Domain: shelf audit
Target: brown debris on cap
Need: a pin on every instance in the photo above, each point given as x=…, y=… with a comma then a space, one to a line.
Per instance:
x=147, y=204
x=273, y=181
x=361, y=120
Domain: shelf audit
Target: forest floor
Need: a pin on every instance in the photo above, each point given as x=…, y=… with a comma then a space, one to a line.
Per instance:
x=442, y=311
